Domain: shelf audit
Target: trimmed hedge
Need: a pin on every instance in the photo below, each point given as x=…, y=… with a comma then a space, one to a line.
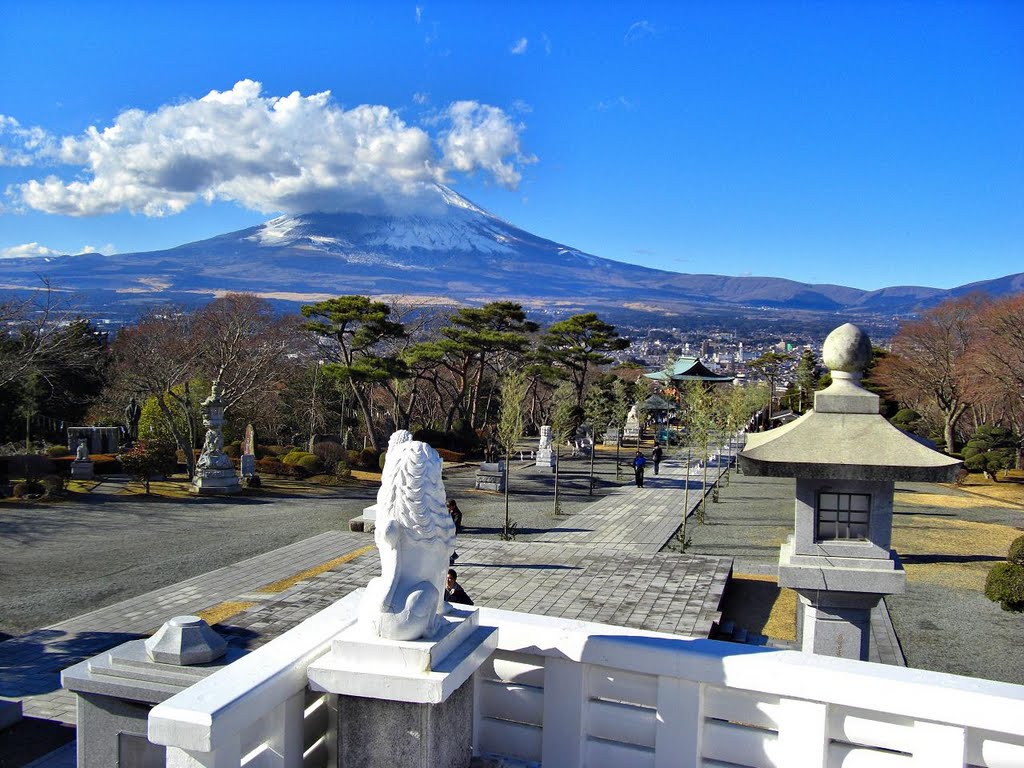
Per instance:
x=1005, y=585
x=1016, y=554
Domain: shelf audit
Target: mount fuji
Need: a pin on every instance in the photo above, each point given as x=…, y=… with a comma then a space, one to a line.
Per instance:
x=452, y=252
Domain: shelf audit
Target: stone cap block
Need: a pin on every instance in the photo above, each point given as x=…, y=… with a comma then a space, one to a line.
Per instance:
x=186, y=640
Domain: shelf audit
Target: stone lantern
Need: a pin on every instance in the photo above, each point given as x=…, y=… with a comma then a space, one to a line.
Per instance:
x=846, y=459
x=215, y=473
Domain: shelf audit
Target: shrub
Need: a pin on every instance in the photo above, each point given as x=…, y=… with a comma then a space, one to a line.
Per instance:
x=272, y=450
x=1016, y=554
x=341, y=469
x=1005, y=585
x=364, y=459
x=381, y=459
x=54, y=486
x=447, y=455
x=28, y=488
x=990, y=449
x=310, y=463
x=29, y=466
x=294, y=457
x=272, y=466
x=56, y=451
x=329, y=452
x=234, y=449
x=368, y=459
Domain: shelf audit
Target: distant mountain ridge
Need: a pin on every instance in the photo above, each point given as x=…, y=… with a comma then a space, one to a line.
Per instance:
x=460, y=253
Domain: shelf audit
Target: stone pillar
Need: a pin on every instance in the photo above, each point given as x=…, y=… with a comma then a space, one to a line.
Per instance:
x=406, y=704
x=117, y=689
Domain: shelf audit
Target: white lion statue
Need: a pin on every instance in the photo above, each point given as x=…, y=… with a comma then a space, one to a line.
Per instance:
x=415, y=537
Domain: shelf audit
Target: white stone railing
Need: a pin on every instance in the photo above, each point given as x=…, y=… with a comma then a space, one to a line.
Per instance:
x=258, y=711
x=623, y=697
x=568, y=694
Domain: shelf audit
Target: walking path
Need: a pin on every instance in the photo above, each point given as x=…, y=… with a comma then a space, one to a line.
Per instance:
x=634, y=519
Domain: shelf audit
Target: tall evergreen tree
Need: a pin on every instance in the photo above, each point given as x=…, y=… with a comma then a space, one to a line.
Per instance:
x=577, y=345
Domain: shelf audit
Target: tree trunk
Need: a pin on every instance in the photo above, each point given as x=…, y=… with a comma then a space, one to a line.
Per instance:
x=558, y=450
x=180, y=439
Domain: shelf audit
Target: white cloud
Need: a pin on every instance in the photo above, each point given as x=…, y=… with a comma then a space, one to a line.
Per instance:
x=638, y=30
x=547, y=43
x=619, y=102
x=23, y=146
x=483, y=137
x=419, y=13
x=519, y=47
x=421, y=98
x=35, y=250
x=27, y=251
x=294, y=153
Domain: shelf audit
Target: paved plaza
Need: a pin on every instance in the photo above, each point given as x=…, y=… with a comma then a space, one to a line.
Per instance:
x=624, y=580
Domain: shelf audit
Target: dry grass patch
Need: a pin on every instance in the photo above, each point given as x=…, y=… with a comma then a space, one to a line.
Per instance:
x=757, y=604
x=223, y=611
x=951, y=553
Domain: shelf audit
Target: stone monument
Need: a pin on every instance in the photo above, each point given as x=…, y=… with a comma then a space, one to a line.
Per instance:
x=846, y=459
x=215, y=474
x=632, y=429
x=611, y=435
x=545, y=454
x=248, y=457
x=82, y=468
x=402, y=672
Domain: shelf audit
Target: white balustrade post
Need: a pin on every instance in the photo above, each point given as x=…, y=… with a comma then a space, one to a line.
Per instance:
x=228, y=755
x=939, y=746
x=286, y=732
x=803, y=734
x=678, y=738
x=565, y=696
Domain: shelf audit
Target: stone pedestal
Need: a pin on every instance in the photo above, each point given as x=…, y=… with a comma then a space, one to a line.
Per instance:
x=366, y=522
x=82, y=470
x=611, y=437
x=208, y=482
x=406, y=703
x=491, y=476
x=117, y=689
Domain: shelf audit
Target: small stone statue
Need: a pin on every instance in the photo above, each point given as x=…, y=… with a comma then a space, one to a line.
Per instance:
x=415, y=538
x=132, y=414
x=82, y=453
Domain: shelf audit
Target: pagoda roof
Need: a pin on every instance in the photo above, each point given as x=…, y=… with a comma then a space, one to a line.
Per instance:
x=688, y=369
x=657, y=403
x=842, y=439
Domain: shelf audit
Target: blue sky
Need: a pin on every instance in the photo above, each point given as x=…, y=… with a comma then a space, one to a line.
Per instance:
x=865, y=144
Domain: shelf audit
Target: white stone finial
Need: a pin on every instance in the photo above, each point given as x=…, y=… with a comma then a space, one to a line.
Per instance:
x=415, y=538
x=847, y=349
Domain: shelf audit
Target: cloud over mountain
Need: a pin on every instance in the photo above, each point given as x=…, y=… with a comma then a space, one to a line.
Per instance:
x=294, y=153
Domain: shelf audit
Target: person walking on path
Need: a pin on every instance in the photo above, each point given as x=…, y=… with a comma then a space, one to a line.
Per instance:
x=639, y=462
x=656, y=455
x=453, y=591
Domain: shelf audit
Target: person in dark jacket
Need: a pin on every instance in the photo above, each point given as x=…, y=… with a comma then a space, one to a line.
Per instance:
x=453, y=591
x=639, y=462
x=656, y=455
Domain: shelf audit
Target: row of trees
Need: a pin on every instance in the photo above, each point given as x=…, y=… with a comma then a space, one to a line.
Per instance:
x=960, y=366
x=350, y=366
